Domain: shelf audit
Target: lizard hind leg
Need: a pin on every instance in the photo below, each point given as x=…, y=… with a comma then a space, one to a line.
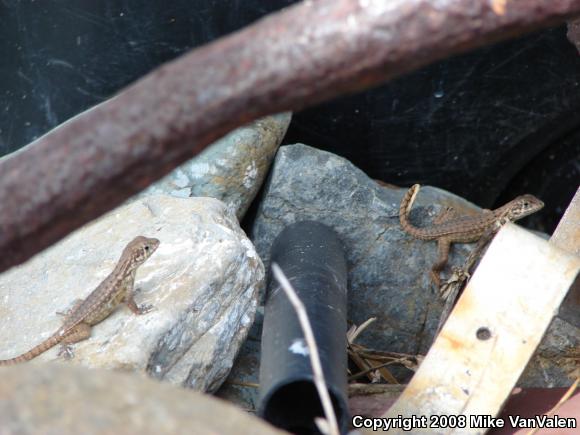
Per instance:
x=80, y=332
x=72, y=307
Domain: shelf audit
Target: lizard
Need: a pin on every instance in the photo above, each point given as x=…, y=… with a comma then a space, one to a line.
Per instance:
x=463, y=229
x=115, y=289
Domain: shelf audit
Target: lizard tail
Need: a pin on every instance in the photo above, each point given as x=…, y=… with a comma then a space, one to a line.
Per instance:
x=404, y=210
x=51, y=341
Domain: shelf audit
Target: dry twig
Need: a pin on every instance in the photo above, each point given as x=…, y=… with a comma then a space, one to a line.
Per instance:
x=366, y=359
x=355, y=331
x=243, y=383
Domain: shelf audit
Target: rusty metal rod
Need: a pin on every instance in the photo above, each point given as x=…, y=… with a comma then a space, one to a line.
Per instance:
x=302, y=55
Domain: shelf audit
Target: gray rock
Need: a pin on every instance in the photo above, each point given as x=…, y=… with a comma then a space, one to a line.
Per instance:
x=241, y=384
x=57, y=400
x=232, y=169
x=556, y=358
x=203, y=281
x=388, y=269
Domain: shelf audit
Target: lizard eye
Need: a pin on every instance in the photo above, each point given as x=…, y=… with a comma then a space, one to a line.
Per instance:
x=147, y=248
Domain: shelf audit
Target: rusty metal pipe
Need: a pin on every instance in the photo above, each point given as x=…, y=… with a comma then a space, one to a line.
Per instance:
x=310, y=52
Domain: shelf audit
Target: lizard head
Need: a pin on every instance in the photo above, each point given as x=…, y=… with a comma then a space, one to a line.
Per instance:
x=522, y=206
x=141, y=248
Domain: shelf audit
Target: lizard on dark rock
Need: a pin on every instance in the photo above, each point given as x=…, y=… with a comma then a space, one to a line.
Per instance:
x=463, y=229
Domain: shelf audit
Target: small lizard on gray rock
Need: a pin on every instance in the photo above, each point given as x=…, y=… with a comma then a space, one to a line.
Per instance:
x=463, y=229
x=115, y=289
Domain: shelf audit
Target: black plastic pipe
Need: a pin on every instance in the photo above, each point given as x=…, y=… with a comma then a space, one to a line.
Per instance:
x=311, y=256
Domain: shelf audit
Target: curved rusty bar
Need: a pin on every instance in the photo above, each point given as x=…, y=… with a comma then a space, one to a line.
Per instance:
x=302, y=55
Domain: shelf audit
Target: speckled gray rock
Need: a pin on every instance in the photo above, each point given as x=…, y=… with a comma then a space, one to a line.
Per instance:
x=388, y=269
x=232, y=169
x=203, y=281
x=57, y=400
x=240, y=386
x=556, y=358
x=388, y=276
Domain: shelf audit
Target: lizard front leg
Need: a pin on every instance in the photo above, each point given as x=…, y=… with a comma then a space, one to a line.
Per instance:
x=80, y=332
x=136, y=309
x=443, y=245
